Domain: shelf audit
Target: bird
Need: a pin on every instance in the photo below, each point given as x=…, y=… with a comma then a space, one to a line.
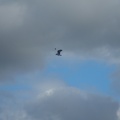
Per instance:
x=58, y=52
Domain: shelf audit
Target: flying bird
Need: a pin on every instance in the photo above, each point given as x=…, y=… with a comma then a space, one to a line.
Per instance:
x=58, y=52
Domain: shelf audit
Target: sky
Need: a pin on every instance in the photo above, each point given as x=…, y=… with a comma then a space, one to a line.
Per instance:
x=83, y=83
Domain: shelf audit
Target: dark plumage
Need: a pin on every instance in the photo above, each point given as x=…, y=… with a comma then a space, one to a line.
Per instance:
x=58, y=53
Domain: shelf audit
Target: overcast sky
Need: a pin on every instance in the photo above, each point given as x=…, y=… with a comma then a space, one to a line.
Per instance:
x=82, y=84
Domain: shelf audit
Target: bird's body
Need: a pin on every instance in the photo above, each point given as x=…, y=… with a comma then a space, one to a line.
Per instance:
x=58, y=52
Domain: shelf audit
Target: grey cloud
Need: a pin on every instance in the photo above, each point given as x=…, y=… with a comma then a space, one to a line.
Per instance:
x=69, y=103
x=57, y=101
x=11, y=107
x=115, y=82
x=30, y=30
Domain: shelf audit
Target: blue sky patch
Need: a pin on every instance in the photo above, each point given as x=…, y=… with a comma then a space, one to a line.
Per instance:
x=88, y=75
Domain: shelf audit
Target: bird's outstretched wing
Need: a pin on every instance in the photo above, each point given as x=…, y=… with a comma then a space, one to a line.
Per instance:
x=59, y=51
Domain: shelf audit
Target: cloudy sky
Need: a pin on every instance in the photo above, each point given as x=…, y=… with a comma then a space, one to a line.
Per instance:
x=83, y=83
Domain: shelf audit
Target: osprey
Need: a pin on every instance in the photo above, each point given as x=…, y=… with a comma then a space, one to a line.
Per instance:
x=58, y=52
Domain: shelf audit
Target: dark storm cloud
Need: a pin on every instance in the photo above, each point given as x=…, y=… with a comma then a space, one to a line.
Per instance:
x=30, y=30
